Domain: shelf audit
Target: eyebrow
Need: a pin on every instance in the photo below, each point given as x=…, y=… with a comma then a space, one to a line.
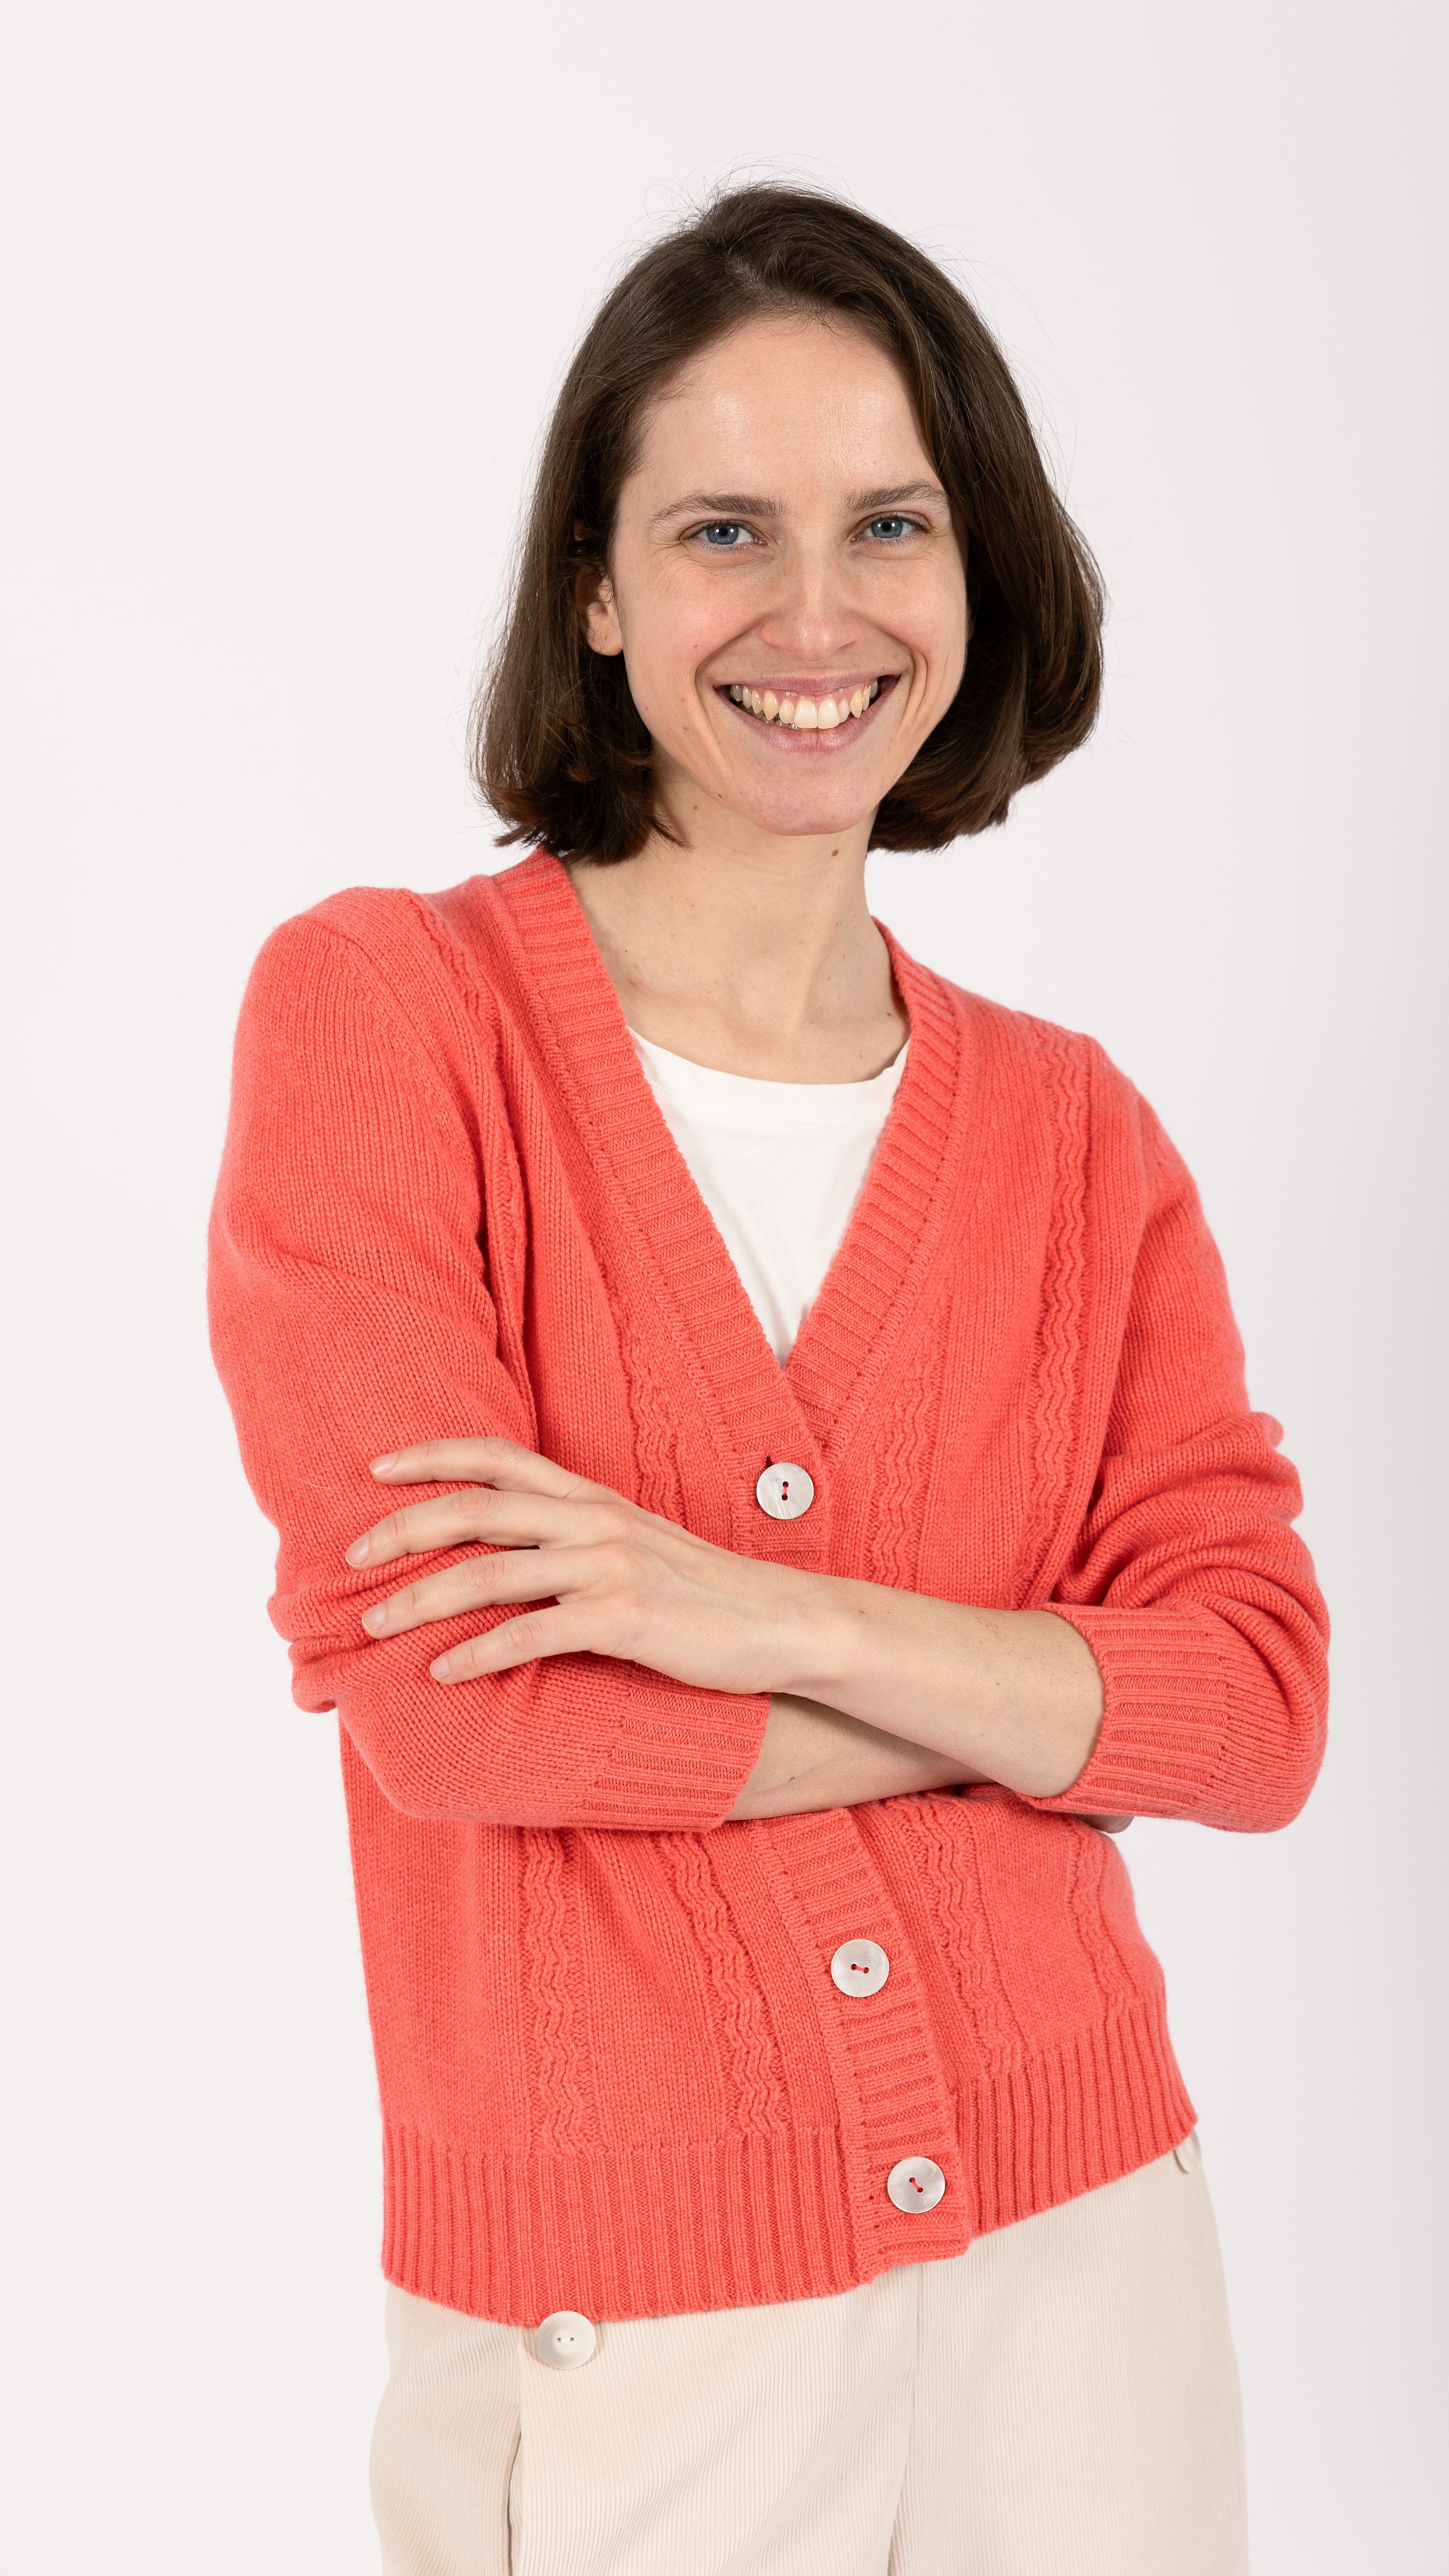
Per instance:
x=899, y=492
x=722, y=505
x=756, y=505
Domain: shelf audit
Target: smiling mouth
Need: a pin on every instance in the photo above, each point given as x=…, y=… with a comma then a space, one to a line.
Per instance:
x=798, y=713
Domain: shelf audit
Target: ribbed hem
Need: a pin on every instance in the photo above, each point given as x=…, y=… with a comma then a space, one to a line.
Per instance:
x=1087, y=2113
x=690, y=2224
x=661, y=2230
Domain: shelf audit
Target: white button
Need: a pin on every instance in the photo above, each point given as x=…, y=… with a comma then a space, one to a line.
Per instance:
x=915, y=2183
x=860, y=1967
x=1189, y=2154
x=785, y=1492
x=566, y=2340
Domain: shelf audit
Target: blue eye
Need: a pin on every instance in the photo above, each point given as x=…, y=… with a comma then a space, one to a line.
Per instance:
x=724, y=534
x=890, y=526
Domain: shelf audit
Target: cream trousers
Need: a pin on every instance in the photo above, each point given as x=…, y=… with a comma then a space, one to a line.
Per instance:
x=1061, y=2400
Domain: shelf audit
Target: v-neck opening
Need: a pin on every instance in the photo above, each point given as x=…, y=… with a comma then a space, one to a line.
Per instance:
x=779, y=1165
x=884, y=1236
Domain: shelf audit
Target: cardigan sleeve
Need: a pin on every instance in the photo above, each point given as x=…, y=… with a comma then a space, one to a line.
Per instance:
x=350, y=1313
x=1188, y=1581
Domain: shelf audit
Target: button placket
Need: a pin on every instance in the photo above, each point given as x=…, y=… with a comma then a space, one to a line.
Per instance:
x=895, y=2094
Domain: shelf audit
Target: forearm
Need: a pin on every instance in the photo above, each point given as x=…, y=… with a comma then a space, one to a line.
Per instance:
x=1013, y=1696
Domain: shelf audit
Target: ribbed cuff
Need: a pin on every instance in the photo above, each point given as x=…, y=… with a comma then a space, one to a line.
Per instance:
x=1193, y=1722
x=678, y=1756
x=571, y=1740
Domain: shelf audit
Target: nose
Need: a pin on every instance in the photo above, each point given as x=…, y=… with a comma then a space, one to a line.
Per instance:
x=809, y=617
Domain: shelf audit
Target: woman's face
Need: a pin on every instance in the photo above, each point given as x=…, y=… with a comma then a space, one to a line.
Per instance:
x=785, y=583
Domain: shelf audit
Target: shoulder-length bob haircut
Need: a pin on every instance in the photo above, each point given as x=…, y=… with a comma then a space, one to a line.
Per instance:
x=560, y=752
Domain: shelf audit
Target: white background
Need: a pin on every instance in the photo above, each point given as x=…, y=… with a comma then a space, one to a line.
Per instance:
x=294, y=282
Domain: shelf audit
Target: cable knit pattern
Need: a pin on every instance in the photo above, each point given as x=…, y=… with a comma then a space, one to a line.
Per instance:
x=1061, y=1316
x=755, y=2088
x=615, y=2072
x=906, y=1448
x=552, y=2002
x=942, y=1831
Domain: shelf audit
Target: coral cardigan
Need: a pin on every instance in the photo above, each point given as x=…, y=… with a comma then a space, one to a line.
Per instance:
x=616, y=2074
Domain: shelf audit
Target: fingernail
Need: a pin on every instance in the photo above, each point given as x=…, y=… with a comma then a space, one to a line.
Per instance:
x=357, y=1554
x=439, y=1670
x=376, y=1617
x=379, y=1464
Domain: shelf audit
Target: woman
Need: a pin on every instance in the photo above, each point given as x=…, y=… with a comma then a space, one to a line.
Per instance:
x=823, y=1490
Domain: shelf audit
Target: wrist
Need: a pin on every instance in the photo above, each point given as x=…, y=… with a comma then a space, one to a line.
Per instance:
x=834, y=1650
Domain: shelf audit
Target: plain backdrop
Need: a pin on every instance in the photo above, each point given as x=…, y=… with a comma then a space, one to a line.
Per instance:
x=291, y=285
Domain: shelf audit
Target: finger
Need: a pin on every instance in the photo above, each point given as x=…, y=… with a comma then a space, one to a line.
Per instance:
x=522, y=1574
x=488, y=1461
x=566, y=1628
x=504, y=1520
x=1106, y=1824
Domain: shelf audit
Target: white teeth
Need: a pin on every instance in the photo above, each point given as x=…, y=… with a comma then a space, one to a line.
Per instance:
x=806, y=715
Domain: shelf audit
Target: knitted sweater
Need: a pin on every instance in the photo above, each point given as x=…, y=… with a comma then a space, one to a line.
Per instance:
x=615, y=2072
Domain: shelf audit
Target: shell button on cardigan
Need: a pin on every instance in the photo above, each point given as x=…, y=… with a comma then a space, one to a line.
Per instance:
x=915, y=2184
x=860, y=1967
x=784, y=1492
x=618, y=2077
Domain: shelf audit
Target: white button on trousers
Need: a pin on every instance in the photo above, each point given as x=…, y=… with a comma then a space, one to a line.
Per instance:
x=1059, y=2401
x=566, y=2341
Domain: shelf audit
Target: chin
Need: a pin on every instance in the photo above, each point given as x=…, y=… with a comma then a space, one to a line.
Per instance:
x=809, y=810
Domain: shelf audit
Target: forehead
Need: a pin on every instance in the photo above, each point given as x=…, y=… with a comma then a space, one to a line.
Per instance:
x=789, y=392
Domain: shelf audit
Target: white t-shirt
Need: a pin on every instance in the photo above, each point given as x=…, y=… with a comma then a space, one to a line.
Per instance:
x=779, y=1165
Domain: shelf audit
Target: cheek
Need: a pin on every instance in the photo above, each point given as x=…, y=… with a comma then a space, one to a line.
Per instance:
x=942, y=625
x=937, y=637
x=667, y=639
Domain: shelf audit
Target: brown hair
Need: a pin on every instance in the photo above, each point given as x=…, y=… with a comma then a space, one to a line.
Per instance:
x=560, y=750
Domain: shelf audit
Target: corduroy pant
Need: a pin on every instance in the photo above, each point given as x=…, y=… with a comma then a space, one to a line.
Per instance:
x=1061, y=2400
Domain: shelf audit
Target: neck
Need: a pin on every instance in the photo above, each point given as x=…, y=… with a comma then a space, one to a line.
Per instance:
x=755, y=955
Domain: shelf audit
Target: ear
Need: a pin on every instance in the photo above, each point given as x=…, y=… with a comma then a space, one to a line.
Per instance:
x=598, y=615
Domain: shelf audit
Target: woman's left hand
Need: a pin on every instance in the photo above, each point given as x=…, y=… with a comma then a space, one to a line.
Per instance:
x=615, y=1580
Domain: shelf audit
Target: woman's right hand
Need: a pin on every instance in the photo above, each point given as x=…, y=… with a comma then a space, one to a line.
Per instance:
x=814, y=1757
